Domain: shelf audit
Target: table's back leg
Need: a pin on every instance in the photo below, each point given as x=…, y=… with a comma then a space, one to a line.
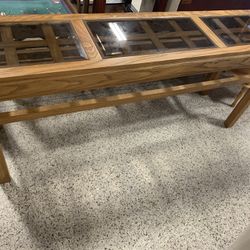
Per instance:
x=239, y=109
x=239, y=96
x=4, y=173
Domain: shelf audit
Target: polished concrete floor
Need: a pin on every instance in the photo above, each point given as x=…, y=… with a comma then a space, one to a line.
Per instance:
x=158, y=175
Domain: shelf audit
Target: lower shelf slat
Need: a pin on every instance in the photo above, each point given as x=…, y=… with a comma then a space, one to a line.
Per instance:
x=88, y=104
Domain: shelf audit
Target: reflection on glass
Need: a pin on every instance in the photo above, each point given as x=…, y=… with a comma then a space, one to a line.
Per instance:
x=25, y=44
x=120, y=35
x=124, y=38
x=233, y=30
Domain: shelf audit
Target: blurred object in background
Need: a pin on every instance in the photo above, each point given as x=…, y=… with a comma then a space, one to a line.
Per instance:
x=101, y=6
x=189, y=5
x=21, y=7
x=213, y=5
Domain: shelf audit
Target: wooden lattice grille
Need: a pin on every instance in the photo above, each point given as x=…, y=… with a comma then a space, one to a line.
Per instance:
x=124, y=38
x=25, y=44
x=233, y=30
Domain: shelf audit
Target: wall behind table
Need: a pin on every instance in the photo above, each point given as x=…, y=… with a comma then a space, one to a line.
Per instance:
x=213, y=4
x=148, y=5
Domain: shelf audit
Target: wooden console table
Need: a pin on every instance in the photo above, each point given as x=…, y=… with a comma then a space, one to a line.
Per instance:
x=48, y=54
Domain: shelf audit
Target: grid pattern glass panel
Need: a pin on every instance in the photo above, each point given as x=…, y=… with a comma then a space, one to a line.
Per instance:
x=28, y=44
x=233, y=30
x=126, y=38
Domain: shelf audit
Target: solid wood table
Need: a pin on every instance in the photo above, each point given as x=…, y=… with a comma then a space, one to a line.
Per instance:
x=49, y=54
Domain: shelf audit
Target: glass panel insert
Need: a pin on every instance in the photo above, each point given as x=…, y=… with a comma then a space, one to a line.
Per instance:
x=233, y=30
x=126, y=38
x=28, y=44
x=2, y=58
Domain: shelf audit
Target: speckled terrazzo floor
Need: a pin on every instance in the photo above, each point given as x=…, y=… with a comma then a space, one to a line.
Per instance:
x=155, y=175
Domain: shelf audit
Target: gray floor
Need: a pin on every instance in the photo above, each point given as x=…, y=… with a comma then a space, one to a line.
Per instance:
x=156, y=175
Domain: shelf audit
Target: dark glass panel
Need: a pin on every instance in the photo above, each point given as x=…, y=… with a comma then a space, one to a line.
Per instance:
x=172, y=44
x=139, y=37
x=2, y=58
x=233, y=30
x=34, y=55
x=159, y=25
x=186, y=24
x=25, y=44
x=21, y=32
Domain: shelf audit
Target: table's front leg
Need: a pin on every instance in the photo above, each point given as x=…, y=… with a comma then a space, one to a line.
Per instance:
x=239, y=109
x=4, y=172
x=239, y=96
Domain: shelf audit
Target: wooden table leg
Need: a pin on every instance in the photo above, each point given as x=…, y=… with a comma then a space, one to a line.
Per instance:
x=160, y=5
x=4, y=173
x=99, y=6
x=239, y=96
x=239, y=109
